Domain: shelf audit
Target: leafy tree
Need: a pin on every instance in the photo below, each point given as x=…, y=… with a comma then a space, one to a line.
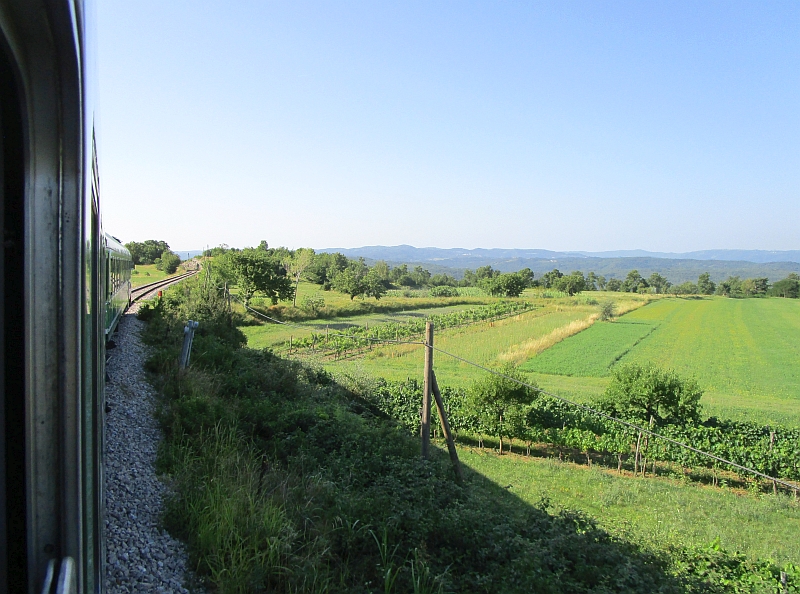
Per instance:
x=325, y=267
x=421, y=276
x=601, y=283
x=168, y=262
x=731, y=287
x=501, y=400
x=217, y=251
x=508, y=284
x=659, y=283
x=549, y=278
x=443, y=280
x=755, y=286
x=359, y=280
x=614, y=285
x=638, y=392
x=527, y=276
x=634, y=282
x=296, y=264
x=571, y=283
x=486, y=272
x=788, y=287
x=591, y=281
x=383, y=270
x=146, y=252
x=254, y=270
x=687, y=288
x=705, y=286
x=469, y=279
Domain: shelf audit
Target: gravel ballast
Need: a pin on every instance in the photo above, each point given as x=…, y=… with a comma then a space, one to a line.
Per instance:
x=141, y=557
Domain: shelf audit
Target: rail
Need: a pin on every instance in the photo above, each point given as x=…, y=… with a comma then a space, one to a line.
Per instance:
x=144, y=291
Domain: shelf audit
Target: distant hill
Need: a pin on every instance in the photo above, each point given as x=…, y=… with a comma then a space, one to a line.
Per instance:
x=676, y=267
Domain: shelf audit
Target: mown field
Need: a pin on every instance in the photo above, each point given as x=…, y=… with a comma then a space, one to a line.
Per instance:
x=745, y=353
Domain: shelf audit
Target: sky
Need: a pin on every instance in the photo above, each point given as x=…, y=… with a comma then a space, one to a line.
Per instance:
x=665, y=126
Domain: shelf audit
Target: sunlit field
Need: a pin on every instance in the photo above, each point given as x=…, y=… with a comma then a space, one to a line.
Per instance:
x=658, y=512
x=744, y=352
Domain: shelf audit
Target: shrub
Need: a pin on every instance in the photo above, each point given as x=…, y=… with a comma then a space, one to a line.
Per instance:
x=607, y=311
x=641, y=392
x=444, y=291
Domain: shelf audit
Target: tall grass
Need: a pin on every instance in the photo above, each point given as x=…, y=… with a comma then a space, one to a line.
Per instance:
x=237, y=530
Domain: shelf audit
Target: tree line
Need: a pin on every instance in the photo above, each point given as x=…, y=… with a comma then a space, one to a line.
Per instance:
x=152, y=251
x=276, y=273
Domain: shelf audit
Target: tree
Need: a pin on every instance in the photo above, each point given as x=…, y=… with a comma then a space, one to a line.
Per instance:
x=358, y=279
x=168, y=262
x=705, y=286
x=146, y=252
x=659, y=283
x=638, y=393
x=634, y=282
x=443, y=280
x=549, y=278
x=687, y=288
x=254, y=270
x=731, y=287
x=325, y=267
x=613, y=285
x=787, y=288
x=571, y=283
x=601, y=283
x=501, y=400
x=296, y=264
x=507, y=284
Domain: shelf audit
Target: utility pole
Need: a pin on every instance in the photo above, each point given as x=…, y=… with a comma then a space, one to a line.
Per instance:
x=425, y=428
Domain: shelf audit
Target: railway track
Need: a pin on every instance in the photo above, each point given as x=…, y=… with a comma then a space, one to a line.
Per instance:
x=150, y=289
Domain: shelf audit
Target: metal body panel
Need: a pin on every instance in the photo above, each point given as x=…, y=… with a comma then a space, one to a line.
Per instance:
x=62, y=291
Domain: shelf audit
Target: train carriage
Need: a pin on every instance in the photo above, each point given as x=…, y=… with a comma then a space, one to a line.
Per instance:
x=55, y=285
x=118, y=266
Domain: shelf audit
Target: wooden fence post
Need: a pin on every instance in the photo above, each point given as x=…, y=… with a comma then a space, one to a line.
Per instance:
x=451, y=445
x=425, y=426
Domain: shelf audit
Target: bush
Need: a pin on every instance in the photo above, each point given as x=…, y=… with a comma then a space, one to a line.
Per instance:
x=607, y=311
x=168, y=262
x=443, y=291
x=641, y=392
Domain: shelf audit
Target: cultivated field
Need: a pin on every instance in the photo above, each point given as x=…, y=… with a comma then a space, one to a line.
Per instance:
x=745, y=353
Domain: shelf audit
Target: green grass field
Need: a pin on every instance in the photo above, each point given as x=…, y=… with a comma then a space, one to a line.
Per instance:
x=147, y=273
x=655, y=512
x=593, y=351
x=744, y=352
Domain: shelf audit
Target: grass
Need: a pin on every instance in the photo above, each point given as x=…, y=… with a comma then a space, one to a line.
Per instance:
x=487, y=343
x=592, y=352
x=284, y=481
x=148, y=273
x=654, y=512
x=744, y=352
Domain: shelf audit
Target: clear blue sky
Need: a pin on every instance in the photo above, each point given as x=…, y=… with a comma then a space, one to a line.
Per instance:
x=669, y=126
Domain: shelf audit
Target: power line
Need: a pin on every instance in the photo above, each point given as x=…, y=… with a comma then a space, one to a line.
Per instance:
x=620, y=421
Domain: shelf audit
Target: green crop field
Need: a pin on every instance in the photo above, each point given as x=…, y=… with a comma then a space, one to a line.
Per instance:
x=655, y=512
x=744, y=352
x=591, y=352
